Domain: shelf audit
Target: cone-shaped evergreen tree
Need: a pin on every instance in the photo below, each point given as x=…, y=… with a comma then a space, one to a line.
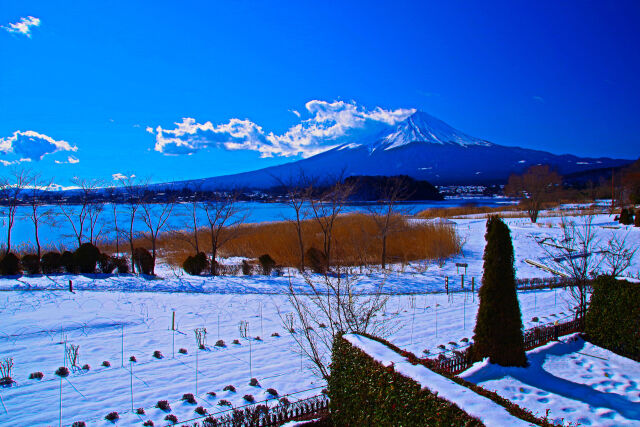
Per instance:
x=498, y=331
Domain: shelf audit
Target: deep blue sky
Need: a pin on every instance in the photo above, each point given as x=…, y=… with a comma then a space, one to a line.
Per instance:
x=557, y=76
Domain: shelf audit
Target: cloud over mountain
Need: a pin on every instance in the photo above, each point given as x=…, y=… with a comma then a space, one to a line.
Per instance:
x=32, y=146
x=329, y=124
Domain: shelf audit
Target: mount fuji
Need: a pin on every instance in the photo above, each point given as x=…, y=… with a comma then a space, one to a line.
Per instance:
x=420, y=146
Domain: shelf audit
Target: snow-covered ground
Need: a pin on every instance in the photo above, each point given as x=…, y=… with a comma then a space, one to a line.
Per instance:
x=577, y=382
x=112, y=318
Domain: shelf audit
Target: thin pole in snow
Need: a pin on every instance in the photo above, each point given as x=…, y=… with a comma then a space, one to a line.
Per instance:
x=197, y=351
x=60, y=408
x=4, y=407
x=122, y=346
x=131, y=382
x=218, y=325
x=261, y=331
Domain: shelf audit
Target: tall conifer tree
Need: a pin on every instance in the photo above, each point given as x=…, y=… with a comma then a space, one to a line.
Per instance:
x=498, y=331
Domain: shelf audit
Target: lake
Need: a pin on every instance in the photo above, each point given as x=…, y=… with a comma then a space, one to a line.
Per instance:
x=61, y=233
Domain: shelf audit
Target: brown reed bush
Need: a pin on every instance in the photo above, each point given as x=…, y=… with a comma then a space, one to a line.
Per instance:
x=355, y=239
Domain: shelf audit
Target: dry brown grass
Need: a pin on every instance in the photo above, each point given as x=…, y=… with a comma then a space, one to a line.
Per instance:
x=355, y=240
x=458, y=211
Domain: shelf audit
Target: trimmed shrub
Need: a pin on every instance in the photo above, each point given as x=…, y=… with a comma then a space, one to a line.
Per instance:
x=68, y=261
x=614, y=315
x=9, y=265
x=143, y=261
x=498, y=331
x=106, y=264
x=106, y=363
x=275, y=334
x=236, y=342
x=229, y=388
x=132, y=359
x=122, y=264
x=157, y=354
x=212, y=394
x=79, y=424
x=51, y=263
x=200, y=410
x=189, y=398
x=220, y=343
x=196, y=264
x=31, y=264
x=86, y=258
x=112, y=416
x=140, y=411
x=254, y=382
x=626, y=217
x=247, y=269
x=62, y=371
x=171, y=418
x=163, y=405
x=36, y=376
x=267, y=263
x=224, y=402
x=284, y=401
x=148, y=423
x=182, y=351
x=86, y=367
x=317, y=260
x=249, y=398
x=357, y=381
x=272, y=391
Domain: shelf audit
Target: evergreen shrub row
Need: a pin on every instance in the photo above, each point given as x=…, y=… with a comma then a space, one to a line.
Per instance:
x=614, y=315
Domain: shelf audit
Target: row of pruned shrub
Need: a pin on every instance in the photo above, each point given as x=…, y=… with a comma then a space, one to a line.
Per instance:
x=344, y=350
x=86, y=259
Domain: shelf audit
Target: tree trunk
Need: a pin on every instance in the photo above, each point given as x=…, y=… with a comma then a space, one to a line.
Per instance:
x=384, y=251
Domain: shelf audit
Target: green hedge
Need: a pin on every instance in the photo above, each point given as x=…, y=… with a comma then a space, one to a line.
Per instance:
x=614, y=315
x=365, y=393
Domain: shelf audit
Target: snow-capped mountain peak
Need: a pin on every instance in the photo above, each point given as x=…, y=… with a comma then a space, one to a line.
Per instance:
x=423, y=127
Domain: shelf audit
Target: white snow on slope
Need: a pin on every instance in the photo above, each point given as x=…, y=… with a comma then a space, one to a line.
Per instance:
x=576, y=381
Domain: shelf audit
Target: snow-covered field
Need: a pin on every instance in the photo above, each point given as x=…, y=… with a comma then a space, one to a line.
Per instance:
x=113, y=318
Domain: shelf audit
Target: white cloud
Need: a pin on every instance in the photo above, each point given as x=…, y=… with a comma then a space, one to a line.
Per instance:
x=29, y=146
x=119, y=176
x=330, y=124
x=23, y=26
x=538, y=98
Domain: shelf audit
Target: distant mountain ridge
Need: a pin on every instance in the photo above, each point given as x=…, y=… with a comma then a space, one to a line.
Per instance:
x=422, y=147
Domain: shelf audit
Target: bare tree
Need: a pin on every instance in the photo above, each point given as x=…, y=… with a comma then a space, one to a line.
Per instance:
x=574, y=255
x=112, y=195
x=189, y=213
x=297, y=192
x=331, y=307
x=326, y=209
x=617, y=255
x=386, y=214
x=534, y=187
x=132, y=194
x=11, y=193
x=224, y=217
x=155, y=217
x=38, y=212
x=83, y=215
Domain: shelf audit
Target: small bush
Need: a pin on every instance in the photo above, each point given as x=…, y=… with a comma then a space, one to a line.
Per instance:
x=258, y=338
x=132, y=359
x=224, y=403
x=79, y=424
x=272, y=391
x=237, y=342
x=275, y=334
x=31, y=264
x=171, y=418
x=196, y=264
x=148, y=423
x=122, y=264
x=62, y=371
x=157, y=354
x=106, y=363
x=106, y=264
x=112, y=416
x=140, y=411
x=212, y=394
x=163, y=405
x=229, y=388
x=68, y=261
x=254, y=382
x=86, y=367
x=182, y=351
x=534, y=319
x=246, y=268
x=317, y=260
x=86, y=258
x=9, y=265
x=284, y=401
x=249, y=398
x=220, y=343
x=51, y=263
x=267, y=263
x=143, y=261
x=189, y=398
x=200, y=410
x=36, y=376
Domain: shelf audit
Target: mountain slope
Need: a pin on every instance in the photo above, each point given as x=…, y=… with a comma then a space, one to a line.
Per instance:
x=422, y=147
